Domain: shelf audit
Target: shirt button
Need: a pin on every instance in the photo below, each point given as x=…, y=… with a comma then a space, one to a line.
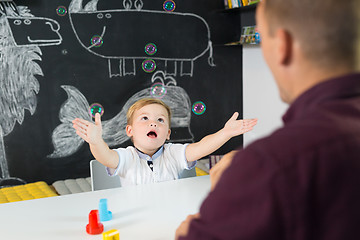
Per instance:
x=147, y=158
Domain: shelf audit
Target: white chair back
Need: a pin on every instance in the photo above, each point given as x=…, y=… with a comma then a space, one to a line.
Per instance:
x=100, y=178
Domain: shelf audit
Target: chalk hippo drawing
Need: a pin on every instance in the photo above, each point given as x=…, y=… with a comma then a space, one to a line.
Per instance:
x=21, y=34
x=66, y=141
x=187, y=36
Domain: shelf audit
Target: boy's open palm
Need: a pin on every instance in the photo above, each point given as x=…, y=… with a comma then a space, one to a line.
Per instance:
x=90, y=132
x=235, y=127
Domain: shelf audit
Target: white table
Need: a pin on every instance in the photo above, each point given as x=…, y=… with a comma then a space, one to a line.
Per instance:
x=151, y=211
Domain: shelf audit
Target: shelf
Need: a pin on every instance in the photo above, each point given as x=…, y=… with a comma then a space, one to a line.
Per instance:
x=232, y=44
x=235, y=19
x=226, y=45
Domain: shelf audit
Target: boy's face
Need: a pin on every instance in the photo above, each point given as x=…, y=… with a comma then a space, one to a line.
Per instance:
x=149, y=128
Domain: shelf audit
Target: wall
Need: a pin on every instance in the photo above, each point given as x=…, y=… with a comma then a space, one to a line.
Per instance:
x=260, y=95
x=54, y=66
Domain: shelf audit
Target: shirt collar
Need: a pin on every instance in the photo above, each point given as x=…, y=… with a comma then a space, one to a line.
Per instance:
x=147, y=157
x=336, y=88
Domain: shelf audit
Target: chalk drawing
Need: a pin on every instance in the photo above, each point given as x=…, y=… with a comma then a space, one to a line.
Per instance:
x=66, y=142
x=19, y=52
x=134, y=26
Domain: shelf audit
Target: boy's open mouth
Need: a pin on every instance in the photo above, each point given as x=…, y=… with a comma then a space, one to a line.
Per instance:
x=152, y=134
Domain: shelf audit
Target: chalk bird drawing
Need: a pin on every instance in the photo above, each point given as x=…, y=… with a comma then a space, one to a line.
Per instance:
x=187, y=36
x=21, y=34
x=66, y=141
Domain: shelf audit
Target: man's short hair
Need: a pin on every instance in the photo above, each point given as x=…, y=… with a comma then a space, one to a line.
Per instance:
x=142, y=103
x=328, y=31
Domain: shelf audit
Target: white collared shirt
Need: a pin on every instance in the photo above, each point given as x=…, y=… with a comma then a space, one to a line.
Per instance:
x=168, y=162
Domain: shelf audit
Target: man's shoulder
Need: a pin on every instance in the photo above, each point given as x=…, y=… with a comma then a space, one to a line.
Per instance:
x=303, y=137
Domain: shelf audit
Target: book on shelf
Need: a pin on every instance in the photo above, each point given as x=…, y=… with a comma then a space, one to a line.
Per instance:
x=235, y=3
x=249, y=35
x=245, y=2
x=253, y=2
x=230, y=4
x=226, y=4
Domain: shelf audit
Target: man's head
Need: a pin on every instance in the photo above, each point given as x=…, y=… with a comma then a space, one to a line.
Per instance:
x=148, y=124
x=305, y=37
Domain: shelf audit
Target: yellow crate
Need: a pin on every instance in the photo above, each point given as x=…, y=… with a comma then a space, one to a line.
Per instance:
x=26, y=192
x=200, y=172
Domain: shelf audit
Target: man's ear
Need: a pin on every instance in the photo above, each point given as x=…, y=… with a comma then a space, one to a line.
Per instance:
x=168, y=136
x=284, y=47
x=128, y=130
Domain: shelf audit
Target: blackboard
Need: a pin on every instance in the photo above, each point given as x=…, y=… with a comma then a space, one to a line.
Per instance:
x=59, y=57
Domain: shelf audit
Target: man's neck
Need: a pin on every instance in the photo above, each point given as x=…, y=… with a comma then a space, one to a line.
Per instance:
x=311, y=76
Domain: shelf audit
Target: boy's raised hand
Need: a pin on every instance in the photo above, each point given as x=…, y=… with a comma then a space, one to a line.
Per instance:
x=234, y=127
x=90, y=132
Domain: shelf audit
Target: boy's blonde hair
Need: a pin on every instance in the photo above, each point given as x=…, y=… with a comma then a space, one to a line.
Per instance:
x=142, y=103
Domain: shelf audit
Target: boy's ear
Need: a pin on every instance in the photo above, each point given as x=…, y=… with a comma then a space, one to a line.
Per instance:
x=168, y=136
x=128, y=130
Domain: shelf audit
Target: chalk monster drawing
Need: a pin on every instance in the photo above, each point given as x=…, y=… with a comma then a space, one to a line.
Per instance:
x=66, y=141
x=187, y=36
x=19, y=50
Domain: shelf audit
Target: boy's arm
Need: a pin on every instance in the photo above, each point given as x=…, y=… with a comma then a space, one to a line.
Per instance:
x=92, y=134
x=212, y=142
x=105, y=155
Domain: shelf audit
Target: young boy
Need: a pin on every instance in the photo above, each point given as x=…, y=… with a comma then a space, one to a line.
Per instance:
x=151, y=160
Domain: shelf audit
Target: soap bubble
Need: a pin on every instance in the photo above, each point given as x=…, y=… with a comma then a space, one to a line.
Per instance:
x=158, y=90
x=96, y=41
x=61, y=11
x=148, y=65
x=96, y=108
x=150, y=48
x=198, y=108
x=169, y=6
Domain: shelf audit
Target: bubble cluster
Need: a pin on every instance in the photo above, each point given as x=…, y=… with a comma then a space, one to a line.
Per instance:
x=96, y=41
x=96, y=108
x=158, y=90
x=61, y=11
x=198, y=108
x=150, y=48
x=169, y=6
x=148, y=65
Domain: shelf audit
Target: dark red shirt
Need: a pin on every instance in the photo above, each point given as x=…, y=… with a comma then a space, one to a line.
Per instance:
x=300, y=183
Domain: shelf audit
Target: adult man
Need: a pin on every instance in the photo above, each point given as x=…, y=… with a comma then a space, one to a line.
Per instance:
x=301, y=182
